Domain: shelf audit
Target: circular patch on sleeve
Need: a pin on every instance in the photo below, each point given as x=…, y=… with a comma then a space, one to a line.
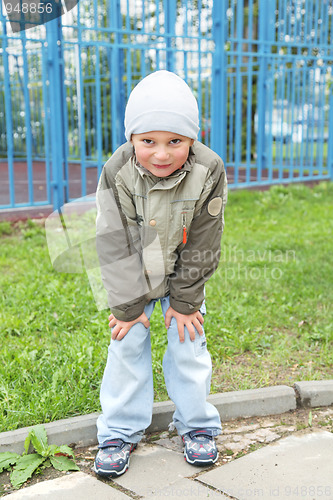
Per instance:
x=214, y=206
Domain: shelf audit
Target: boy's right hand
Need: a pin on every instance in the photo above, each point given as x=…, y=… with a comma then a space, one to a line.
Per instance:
x=121, y=328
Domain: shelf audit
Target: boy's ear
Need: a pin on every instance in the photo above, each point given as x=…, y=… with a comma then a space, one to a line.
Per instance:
x=192, y=142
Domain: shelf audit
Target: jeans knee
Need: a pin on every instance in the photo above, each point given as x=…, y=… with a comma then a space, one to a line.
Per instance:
x=134, y=340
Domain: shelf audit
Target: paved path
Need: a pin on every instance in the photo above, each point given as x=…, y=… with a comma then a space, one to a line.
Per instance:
x=287, y=463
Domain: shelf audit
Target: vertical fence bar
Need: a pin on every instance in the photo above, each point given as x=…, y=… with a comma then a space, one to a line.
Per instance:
x=170, y=12
x=199, y=55
x=219, y=84
x=230, y=62
x=9, y=118
x=261, y=89
x=330, y=135
x=53, y=36
x=63, y=114
x=114, y=97
x=46, y=123
x=312, y=121
x=239, y=93
x=27, y=118
x=270, y=37
x=98, y=113
x=249, y=95
x=265, y=91
x=292, y=114
x=81, y=100
x=129, y=60
x=302, y=107
x=117, y=70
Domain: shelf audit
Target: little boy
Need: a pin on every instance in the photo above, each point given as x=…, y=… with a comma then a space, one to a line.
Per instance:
x=161, y=200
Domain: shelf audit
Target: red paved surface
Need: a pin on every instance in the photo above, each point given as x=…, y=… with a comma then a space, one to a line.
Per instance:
x=40, y=193
x=39, y=188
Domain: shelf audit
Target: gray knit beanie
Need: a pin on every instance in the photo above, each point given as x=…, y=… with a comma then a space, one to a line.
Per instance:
x=162, y=101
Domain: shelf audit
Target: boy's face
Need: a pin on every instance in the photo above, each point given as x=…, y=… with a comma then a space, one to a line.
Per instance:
x=162, y=153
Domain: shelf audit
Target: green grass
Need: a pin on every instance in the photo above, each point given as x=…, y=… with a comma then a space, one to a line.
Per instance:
x=271, y=299
x=269, y=309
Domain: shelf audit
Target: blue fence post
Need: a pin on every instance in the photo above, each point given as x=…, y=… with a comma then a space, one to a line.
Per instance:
x=170, y=13
x=219, y=84
x=53, y=37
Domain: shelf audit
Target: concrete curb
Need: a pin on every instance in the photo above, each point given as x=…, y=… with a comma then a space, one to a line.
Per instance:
x=81, y=431
x=254, y=402
x=314, y=393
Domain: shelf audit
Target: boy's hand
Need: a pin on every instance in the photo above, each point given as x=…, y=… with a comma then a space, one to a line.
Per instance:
x=191, y=321
x=121, y=328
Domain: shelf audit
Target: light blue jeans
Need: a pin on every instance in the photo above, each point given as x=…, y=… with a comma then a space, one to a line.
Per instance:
x=127, y=387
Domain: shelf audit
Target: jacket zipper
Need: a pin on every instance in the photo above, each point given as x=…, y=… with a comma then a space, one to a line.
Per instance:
x=184, y=228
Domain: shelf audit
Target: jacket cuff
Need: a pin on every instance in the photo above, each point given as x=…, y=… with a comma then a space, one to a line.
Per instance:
x=183, y=307
x=129, y=313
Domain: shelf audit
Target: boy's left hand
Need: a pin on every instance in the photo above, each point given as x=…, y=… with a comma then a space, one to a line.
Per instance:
x=192, y=322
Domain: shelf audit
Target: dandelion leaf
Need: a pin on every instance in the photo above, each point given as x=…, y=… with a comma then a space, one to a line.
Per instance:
x=24, y=468
x=39, y=439
x=63, y=463
x=8, y=458
x=65, y=450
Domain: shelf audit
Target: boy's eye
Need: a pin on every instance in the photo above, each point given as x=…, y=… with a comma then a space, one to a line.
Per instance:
x=148, y=141
x=175, y=141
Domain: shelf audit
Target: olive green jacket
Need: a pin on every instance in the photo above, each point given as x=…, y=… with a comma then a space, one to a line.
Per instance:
x=159, y=236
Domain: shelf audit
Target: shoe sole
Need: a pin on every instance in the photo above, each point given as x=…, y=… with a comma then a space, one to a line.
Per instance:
x=108, y=473
x=201, y=463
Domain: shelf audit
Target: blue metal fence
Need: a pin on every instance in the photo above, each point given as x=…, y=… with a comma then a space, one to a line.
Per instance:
x=261, y=70
x=278, y=59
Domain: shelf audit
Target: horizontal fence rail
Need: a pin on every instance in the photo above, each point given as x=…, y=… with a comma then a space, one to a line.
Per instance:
x=260, y=69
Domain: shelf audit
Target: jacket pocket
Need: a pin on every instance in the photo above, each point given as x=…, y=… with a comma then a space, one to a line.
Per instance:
x=183, y=211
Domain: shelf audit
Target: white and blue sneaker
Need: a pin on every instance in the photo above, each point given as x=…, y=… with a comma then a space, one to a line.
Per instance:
x=113, y=458
x=200, y=447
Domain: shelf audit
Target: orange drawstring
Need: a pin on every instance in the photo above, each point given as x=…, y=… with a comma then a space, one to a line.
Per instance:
x=184, y=235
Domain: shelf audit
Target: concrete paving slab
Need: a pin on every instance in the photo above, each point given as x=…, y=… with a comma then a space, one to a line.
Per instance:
x=70, y=487
x=299, y=466
x=153, y=468
x=185, y=488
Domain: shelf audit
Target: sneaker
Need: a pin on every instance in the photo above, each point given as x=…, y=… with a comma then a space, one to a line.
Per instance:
x=200, y=447
x=113, y=458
